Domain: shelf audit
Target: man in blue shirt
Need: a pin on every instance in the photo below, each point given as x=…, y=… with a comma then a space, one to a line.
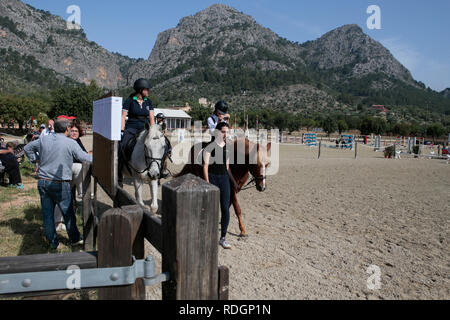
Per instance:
x=56, y=155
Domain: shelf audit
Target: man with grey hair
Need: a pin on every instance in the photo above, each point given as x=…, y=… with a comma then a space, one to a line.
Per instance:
x=56, y=153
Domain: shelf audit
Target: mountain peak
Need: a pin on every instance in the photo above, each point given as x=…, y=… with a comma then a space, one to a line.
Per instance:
x=348, y=47
x=216, y=15
x=350, y=27
x=220, y=7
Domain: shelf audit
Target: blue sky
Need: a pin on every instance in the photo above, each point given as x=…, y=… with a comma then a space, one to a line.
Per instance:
x=416, y=32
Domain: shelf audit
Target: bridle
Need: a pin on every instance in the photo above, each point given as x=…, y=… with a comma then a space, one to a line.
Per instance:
x=252, y=183
x=149, y=161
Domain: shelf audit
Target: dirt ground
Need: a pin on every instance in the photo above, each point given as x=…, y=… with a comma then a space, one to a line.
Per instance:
x=321, y=223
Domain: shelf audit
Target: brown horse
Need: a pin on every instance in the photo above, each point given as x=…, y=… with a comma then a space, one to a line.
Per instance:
x=255, y=160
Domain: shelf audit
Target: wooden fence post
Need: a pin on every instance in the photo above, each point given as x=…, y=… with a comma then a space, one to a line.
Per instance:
x=223, y=293
x=190, y=228
x=88, y=217
x=117, y=232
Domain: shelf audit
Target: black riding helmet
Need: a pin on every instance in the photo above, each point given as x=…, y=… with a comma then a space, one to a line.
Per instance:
x=222, y=107
x=161, y=116
x=141, y=84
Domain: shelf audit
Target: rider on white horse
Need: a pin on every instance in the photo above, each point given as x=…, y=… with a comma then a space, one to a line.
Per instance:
x=139, y=110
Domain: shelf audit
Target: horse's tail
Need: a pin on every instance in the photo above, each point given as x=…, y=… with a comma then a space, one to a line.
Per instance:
x=186, y=169
x=192, y=167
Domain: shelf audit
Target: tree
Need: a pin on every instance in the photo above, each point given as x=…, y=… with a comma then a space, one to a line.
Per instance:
x=199, y=113
x=367, y=126
x=75, y=101
x=329, y=125
x=342, y=126
x=21, y=109
x=402, y=129
x=379, y=125
x=435, y=130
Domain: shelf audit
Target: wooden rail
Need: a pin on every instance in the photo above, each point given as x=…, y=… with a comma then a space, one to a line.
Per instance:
x=187, y=237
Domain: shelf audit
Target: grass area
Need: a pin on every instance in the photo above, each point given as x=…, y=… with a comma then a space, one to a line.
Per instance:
x=21, y=227
x=26, y=169
x=22, y=232
x=11, y=194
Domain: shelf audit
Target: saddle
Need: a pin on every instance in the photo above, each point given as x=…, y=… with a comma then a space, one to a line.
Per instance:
x=126, y=151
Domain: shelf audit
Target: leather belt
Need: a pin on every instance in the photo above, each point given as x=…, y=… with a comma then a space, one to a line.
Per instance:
x=56, y=181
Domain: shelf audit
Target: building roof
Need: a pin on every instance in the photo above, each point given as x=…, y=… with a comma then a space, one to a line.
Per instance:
x=170, y=113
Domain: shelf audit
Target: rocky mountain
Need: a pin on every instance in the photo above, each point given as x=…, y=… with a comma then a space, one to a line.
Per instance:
x=219, y=52
x=446, y=93
x=44, y=36
x=350, y=50
x=218, y=32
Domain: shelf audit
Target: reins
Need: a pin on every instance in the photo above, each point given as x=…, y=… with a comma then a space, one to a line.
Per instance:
x=149, y=164
x=250, y=185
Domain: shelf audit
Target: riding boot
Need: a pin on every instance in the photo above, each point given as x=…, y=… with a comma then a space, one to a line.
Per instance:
x=164, y=174
x=120, y=174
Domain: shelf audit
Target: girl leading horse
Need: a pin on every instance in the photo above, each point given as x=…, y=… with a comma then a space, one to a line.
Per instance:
x=247, y=159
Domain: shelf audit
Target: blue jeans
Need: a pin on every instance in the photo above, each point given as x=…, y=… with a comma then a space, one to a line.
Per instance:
x=60, y=194
x=223, y=183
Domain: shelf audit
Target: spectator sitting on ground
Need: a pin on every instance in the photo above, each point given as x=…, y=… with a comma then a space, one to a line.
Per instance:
x=57, y=152
x=12, y=167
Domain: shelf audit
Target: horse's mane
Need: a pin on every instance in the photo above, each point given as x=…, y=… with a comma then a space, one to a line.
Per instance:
x=144, y=133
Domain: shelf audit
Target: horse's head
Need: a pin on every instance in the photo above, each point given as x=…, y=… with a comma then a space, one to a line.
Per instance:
x=258, y=170
x=154, y=146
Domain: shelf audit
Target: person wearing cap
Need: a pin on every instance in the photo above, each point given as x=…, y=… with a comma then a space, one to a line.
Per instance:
x=220, y=115
x=37, y=134
x=160, y=118
x=49, y=129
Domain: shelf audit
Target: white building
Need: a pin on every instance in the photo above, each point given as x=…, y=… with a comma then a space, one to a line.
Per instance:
x=175, y=119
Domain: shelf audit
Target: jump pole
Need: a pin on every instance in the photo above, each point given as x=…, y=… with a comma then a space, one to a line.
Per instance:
x=320, y=148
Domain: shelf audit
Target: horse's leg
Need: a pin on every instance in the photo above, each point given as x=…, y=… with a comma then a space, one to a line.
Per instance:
x=238, y=212
x=154, y=193
x=138, y=191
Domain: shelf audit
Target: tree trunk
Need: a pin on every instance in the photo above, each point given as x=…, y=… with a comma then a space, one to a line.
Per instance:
x=20, y=124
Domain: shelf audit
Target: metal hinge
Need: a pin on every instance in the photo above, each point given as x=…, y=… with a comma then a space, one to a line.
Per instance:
x=75, y=278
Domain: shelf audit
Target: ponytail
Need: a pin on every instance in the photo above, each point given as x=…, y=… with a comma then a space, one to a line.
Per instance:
x=133, y=95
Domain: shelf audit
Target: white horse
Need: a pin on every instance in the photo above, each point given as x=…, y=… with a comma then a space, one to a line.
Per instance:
x=146, y=163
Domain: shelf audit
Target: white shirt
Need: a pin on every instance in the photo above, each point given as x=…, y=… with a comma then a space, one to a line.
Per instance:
x=46, y=132
x=212, y=123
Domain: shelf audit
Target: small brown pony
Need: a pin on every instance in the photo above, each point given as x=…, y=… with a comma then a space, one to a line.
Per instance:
x=255, y=164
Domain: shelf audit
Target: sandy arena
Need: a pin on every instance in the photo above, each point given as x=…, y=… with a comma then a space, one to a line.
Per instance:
x=322, y=223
